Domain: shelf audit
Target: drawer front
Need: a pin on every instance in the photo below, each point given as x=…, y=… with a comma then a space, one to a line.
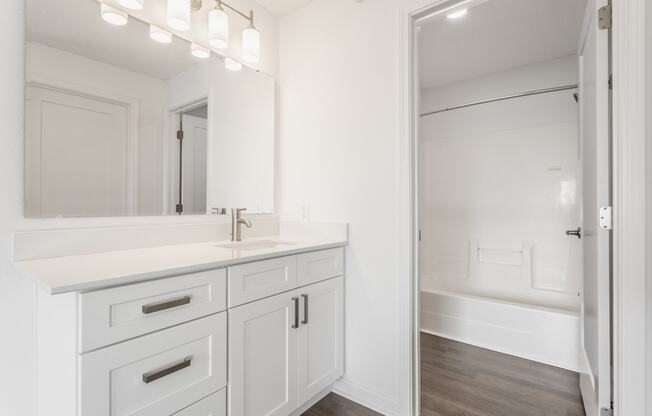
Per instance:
x=320, y=265
x=252, y=281
x=113, y=315
x=158, y=374
x=213, y=405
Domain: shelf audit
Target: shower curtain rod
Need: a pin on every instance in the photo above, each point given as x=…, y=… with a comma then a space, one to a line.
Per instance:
x=506, y=97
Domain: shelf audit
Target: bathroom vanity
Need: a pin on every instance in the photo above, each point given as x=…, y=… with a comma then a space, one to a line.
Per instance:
x=250, y=328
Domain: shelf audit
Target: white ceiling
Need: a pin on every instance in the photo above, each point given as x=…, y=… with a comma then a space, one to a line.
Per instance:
x=282, y=7
x=497, y=35
x=76, y=26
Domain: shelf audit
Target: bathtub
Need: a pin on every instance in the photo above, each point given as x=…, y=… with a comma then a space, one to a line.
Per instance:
x=546, y=335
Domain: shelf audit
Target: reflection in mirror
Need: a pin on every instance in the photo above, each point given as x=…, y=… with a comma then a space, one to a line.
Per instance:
x=119, y=124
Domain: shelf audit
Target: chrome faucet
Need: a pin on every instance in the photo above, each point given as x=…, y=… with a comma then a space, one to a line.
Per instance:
x=236, y=224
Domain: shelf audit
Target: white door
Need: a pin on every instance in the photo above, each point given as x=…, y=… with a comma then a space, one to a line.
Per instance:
x=262, y=357
x=76, y=155
x=595, y=380
x=321, y=337
x=195, y=134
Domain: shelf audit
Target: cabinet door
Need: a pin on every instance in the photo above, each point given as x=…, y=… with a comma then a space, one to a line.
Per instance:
x=321, y=336
x=262, y=357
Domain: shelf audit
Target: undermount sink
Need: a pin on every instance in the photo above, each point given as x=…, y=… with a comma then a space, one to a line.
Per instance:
x=256, y=245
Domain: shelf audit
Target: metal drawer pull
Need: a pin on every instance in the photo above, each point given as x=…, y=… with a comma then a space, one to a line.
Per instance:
x=155, y=375
x=168, y=304
x=305, y=309
x=296, y=313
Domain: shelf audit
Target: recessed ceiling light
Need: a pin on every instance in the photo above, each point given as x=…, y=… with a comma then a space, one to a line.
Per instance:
x=232, y=65
x=159, y=35
x=199, y=51
x=457, y=14
x=113, y=15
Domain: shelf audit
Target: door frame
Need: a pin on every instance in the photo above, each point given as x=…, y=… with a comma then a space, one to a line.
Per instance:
x=630, y=328
x=170, y=152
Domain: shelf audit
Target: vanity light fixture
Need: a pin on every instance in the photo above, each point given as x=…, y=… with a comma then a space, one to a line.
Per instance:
x=232, y=65
x=159, y=35
x=457, y=14
x=218, y=27
x=132, y=4
x=113, y=15
x=199, y=51
x=251, y=43
x=178, y=14
x=250, y=36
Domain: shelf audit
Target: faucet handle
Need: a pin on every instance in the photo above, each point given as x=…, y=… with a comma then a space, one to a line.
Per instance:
x=237, y=211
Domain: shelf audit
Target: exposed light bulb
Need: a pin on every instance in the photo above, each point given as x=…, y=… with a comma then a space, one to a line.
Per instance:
x=159, y=35
x=457, y=14
x=132, y=4
x=113, y=15
x=178, y=14
x=199, y=51
x=251, y=45
x=218, y=28
x=232, y=65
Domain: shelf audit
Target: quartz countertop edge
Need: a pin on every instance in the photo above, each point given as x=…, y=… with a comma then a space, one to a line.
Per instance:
x=88, y=272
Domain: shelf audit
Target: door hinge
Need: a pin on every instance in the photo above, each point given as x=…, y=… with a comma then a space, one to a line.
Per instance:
x=179, y=208
x=606, y=412
x=180, y=134
x=419, y=235
x=604, y=17
x=606, y=218
x=611, y=82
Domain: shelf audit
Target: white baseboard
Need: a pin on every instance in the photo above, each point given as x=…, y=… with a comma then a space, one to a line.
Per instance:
x=366, y=398
x=538, y=334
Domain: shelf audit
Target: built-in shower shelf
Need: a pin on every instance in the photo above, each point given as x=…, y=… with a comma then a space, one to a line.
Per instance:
x=510, y=257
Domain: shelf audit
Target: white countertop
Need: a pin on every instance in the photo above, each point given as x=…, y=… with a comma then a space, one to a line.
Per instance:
x=101, y=270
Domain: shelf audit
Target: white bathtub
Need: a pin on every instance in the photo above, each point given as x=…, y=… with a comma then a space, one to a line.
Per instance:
x=540, y=334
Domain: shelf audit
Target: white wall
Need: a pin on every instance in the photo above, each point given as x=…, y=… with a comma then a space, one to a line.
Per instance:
x=499, y=185
x=52, y=65
x=339, y=160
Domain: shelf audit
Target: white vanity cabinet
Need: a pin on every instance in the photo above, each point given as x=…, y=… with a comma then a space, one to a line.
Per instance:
x=286, y=349
x=257, y=338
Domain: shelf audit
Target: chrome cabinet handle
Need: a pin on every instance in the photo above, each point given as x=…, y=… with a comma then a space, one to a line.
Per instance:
x=296, y=313
x=168, y=304
x=305, y=309
x=155, y=375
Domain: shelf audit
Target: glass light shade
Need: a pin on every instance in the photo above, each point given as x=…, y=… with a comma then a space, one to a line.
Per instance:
x=218, y=28
x=159, y=35
x=178, y=14
x=232, y=65
x=132, y=4
x=113, y=15
x=199, y=51
x=251, y=45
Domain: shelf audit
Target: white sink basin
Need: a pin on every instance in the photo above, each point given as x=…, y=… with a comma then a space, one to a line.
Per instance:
x=256, y=245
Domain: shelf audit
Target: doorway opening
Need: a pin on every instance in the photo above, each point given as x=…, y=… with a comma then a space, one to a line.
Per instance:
x=511, y=157
x=189, y=161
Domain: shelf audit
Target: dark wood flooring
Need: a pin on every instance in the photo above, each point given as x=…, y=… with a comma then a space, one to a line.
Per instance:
x=461, y=380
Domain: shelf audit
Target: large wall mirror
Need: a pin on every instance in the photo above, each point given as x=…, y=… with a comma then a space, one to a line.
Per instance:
x=105, y=105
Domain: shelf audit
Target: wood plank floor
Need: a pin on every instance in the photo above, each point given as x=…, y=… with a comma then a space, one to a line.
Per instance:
x=461, y=380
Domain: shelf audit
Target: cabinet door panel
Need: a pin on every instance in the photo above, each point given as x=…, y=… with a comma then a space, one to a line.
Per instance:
x=262, y=357
x=321, y=335
x=320, y=265
x=251, y=281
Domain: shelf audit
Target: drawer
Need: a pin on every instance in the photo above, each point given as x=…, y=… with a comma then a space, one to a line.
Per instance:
x=252, y=281
x=157, y=374
x=320, y=265
x=116, y=314
x=213, y=405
